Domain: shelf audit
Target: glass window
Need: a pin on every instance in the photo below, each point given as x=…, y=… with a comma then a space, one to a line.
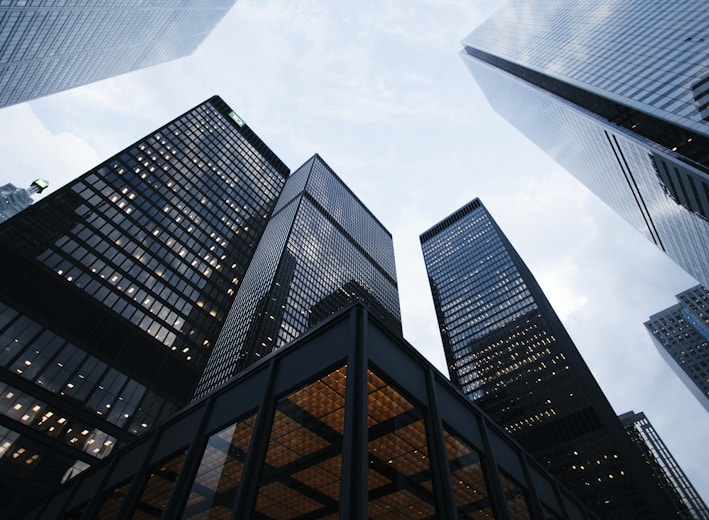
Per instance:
x=7, y=314
x=467, y=479
x=514, y=496
x=301, y=474
x=157, y=491
x=20, y=453
x=112, y=504
x=58, y=372
x=399, y=477
x=214, y=488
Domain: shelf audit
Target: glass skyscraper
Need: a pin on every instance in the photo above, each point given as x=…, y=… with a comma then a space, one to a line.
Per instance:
x=616, y=92
x=664, y=465
x=348, y=421
x=321, y=250
x=508, y=351
x=14, y=199
x=113, y=291
x=681, y=335
x=47, y=46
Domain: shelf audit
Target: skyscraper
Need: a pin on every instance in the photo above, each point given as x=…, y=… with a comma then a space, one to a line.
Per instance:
x=348, y=421
x=508, y=351
x=616, y=93
x=681, y=335
x=14, y=199
x=49, y=46
x=321, y=250
x=114, y=289
x=664, y=465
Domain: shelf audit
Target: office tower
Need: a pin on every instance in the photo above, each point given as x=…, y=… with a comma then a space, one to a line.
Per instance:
x=321, y=250
x=14, y=199
x=114, y=288
x=616, y=93
x=508, y=351
x=664, y=465
x=349, y=421
x=49, y=46
x=681, y=335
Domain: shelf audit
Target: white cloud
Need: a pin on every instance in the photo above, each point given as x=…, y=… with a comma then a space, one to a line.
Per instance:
x=378, y=89
x=30, y=151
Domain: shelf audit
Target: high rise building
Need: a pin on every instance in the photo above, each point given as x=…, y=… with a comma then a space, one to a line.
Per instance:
x=47, y=46
x=681, y=335
x=321, y=250
x=348, y=421
x=664, y=465
x=617, y=94
x=508, y=351
x=14, y=199
x=114, y=288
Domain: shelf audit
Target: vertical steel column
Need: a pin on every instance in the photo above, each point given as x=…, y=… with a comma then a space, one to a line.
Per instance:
x=183, y=483
x=560, y=499
x=355, y=459
x=94, y=505
x=249, y=483
x=492, y=476
x=532, y=496
x=438, y=454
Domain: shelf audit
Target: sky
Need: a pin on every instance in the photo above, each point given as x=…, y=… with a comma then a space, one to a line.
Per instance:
x=379, y=91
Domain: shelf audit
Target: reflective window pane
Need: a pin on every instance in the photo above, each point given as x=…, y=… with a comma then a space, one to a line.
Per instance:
x=467, y=479
x=19, y=453
x=113, y=502
x=214, y=488
x=399, y=477
x=514, y=496
x=157, y=491
x=301, y=474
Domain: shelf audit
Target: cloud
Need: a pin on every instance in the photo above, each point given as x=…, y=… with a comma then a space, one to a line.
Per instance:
x=32, y=151
x=378, y=89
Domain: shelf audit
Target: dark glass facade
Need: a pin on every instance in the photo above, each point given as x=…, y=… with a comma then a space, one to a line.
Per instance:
x=322, y=249
x=47, y=46
x=681, y=335
x=616, y=96
x=509, y=353
x=349, y=421
x=664, y=466
x=114, y=289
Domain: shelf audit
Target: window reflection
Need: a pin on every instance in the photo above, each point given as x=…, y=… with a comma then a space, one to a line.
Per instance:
x=399, y=477
x=301, y=474
x=113, y=502
x=20, y=453
x=157, y=491
x=214, y=488
x=467, y=479
x=514, y=496
x=39, y=416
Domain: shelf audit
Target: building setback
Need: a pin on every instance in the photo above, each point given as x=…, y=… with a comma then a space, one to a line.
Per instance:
x=664, y=465
x=114, y=289
x=681, y=335
x=49, y=46
x=348, y=421
x=509, y=353
x=321, y=250
x=617, y=95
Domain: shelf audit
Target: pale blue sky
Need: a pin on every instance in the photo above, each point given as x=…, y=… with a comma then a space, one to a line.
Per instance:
x=378, y=90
